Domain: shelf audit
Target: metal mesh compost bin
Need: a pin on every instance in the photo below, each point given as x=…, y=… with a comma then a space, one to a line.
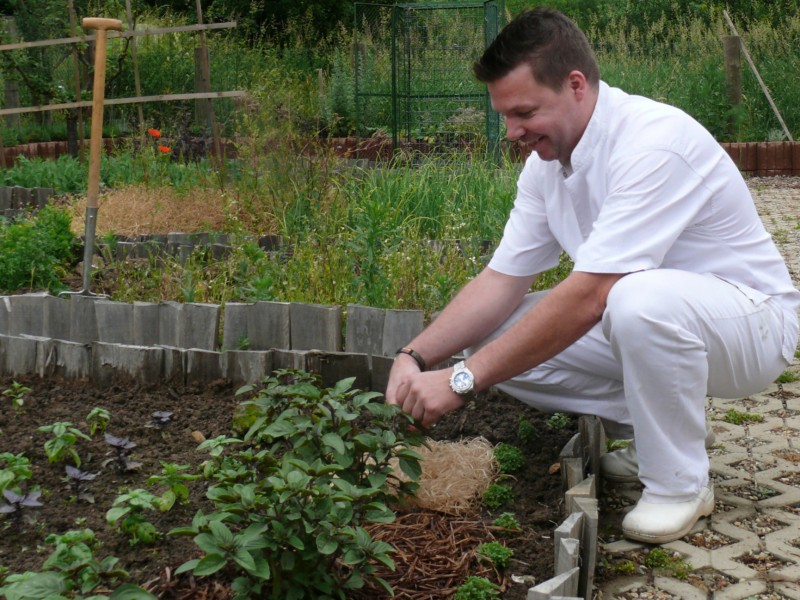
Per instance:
x=413, y=74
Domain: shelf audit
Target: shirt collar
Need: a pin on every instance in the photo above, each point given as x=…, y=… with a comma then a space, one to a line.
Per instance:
x=595, y=131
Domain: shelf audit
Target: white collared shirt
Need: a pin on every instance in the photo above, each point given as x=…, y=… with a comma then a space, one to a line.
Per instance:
x=649, y=188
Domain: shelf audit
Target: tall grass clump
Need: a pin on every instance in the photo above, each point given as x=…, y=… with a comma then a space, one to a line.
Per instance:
x=680, y=61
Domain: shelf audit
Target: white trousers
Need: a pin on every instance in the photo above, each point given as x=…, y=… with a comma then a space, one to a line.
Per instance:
x=667, y=340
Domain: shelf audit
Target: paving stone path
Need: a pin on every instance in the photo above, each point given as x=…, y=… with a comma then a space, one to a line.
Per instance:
x=749, y=548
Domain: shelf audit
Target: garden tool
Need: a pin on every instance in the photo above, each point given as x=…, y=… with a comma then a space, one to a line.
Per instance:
x=96, y=140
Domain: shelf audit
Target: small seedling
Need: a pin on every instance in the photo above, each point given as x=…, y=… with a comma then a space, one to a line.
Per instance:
x=742, y=418
x=161, y=419
x=98, y=419
x=60, y=446
x=15, y=503
x=496, y=495
x=77, y=480
x=122, y=447
x=477, y=588
x=558, y=421
x=17, y=393
x=510, y=459
x=177, y=491
x=14, y=469
x=786, y=377
x=128, y=510
x=526, y=431
x=498, y=554
x=508, y=522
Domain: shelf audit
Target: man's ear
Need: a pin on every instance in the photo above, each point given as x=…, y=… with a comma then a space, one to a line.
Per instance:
x=577, y=84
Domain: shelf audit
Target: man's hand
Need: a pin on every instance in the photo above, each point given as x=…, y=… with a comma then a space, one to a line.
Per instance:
x=424, y=396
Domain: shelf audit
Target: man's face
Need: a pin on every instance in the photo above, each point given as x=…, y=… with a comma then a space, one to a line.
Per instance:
x=550, y=122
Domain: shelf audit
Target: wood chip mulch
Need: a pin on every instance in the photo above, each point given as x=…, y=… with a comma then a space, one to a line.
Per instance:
x=435, y=553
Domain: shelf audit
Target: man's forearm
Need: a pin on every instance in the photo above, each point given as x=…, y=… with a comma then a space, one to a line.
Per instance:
x=478, y=309
x=567, y=313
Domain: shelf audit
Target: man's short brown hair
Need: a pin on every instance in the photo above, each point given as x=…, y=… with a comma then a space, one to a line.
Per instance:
x=551, y=43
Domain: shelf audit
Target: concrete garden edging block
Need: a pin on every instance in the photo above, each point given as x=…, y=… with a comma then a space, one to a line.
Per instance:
x=178, y=344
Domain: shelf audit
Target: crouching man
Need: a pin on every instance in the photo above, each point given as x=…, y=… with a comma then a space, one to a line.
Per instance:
x=677, y=292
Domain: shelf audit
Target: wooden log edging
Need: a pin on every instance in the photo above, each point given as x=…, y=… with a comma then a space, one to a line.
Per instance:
x=81, y=337
x=761, y=159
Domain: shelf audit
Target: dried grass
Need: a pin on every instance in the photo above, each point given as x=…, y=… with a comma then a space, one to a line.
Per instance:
x=454, y=475
x=136, y=210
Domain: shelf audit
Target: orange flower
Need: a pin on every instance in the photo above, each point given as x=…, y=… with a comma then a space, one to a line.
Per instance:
x=164, y=149
x=155, y=133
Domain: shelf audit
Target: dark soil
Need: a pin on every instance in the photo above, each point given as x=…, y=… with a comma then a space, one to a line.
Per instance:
x=208, y=410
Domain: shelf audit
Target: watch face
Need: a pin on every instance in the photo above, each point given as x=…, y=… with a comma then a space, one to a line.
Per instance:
x=462, y=381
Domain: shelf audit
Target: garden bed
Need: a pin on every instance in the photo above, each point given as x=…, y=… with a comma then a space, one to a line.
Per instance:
x=206, y=412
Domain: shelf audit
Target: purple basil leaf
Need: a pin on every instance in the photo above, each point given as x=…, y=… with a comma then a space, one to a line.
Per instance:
x=117, y=442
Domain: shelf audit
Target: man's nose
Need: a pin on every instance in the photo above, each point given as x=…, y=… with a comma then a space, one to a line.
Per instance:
x=513, y=129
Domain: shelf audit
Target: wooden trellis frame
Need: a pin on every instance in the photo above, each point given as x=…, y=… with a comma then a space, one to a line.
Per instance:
x=138, y=99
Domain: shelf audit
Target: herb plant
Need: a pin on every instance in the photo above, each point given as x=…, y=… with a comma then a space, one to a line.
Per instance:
x=129, y=511
x=14, y=470
x=508, y=522
x=98, y=419
x=526, y=431
x=122, y=447
x=558, y=421
x=16, y=391
x=15, y=503
x=315, y=466
x=161, y=419
x=77, y=480
x=175, y=480
x=510, y=459
x=496, y=495
x=477, y=588
x=61, y=445
x=497, y=553
x=72, y=571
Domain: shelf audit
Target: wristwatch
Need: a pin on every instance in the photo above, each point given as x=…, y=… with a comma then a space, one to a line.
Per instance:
x=462, y=381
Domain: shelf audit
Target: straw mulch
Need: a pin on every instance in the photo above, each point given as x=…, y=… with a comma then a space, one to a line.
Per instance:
x=135, y=210
x=454, y=475
x=436, y=542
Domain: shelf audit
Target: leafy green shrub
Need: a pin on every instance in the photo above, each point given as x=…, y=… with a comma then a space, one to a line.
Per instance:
x=477, y=588
x=496, y=495
x=510, y=459
x=496, y=552
x=34, y=252
x=314, y=466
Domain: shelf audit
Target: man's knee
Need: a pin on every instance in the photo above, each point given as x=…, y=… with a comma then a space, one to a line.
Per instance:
x=640, y=301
